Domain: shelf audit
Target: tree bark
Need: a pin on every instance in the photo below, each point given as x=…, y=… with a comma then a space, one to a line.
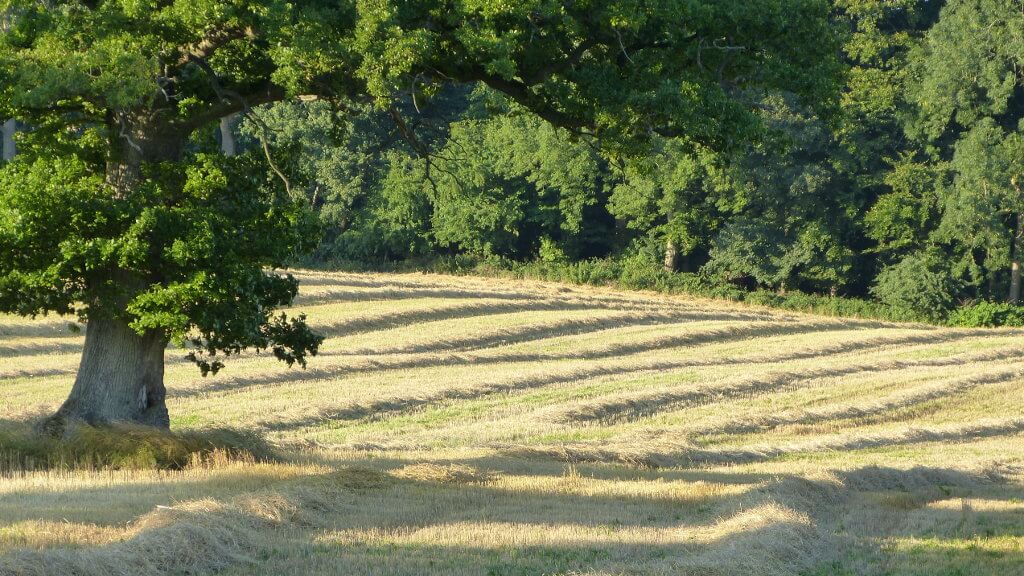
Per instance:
x=1018, y=253
x=671, y=256
x=121, y=375
x=227, y=136
x=120, y=378
x=9, y=148
x=140, y=142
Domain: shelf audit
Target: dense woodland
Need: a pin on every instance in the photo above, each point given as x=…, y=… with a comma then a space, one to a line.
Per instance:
x=903, y=187
x=900, y=186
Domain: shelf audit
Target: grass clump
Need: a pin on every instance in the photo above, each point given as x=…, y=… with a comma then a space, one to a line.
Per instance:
x=124, y=447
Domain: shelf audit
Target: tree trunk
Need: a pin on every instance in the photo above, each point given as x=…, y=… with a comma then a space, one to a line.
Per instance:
x=121, y=375
x=9, y=148
x=120, y=378
x=1018, y=252
x=227, y=136
x=671, y=256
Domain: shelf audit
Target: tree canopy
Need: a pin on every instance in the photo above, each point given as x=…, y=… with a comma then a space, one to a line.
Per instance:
x=815, y=198
x=967, y=91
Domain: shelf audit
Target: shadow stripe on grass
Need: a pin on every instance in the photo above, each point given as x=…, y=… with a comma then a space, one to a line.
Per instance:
x=687, y=455
x=645, y=405
x=890, y=403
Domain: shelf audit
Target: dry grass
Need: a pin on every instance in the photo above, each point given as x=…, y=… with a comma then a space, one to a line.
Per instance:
x=466, y=426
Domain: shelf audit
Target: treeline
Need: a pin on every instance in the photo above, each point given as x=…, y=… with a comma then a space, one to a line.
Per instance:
x=905, y=191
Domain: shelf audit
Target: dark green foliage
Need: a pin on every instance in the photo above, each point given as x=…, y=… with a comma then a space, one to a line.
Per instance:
x=988, y=314
x=881, y=35
x=778, y=212
x=496, y=181
x=813, y=201
x=331, y=162
x=920, y=283
x=620, y=68
x=902, y=219
x=968, y=113
x=677, y=194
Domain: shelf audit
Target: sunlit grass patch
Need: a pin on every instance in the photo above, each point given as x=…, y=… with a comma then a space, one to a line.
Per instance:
x=469, y=426
x=956, y=556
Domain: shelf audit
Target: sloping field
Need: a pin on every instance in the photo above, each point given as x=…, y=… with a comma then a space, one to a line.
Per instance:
x=469, y=426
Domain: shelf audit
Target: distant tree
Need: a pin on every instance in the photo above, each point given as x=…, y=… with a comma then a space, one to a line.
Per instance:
x=115, y=211
x=983, y=209
x=967, y=90
x=901, y=220
x=332, y=165
x=880, y=36
x=489, y=177
x=506, y=182
x=919, y=285
x=678, y=195
x=792, y=211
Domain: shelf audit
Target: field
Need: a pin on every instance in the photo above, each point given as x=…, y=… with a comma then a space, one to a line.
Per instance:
x=471, y=426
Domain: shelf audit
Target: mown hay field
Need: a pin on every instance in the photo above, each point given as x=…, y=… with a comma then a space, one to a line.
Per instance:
x=472, y=426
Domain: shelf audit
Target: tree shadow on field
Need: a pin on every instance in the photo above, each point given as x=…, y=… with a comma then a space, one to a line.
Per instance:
x=114, y=501
x=500, y=515
x=928, y=521
x=51, y=327
x=467, y=345
x=392, y=290
x=648, y=404
x=43, y=336
x=531, y=332
x=342, y=522
x=538, y=333
x=12, y=373
x=359, y=281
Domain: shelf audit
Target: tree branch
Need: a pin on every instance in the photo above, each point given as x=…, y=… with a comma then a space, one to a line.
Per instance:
x=207, y=46
x=266, y=93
